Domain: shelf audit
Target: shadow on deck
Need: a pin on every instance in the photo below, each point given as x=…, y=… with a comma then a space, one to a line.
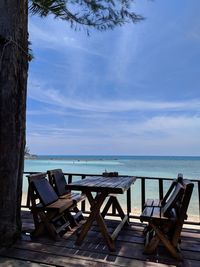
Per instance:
x=94, y=252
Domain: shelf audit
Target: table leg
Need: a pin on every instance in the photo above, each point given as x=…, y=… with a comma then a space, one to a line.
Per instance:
x=96, y=204
x=95, y=214
x=107, y=206
x=95, y=209
x=114, y=201
x=120, y=210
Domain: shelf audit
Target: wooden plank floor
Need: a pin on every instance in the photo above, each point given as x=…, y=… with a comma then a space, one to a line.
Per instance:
x=94, y=252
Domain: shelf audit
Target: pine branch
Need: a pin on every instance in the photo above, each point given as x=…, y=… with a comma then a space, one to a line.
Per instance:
x=98, y=14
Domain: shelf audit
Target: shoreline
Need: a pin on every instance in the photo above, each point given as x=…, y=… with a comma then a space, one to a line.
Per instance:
x=106, y=157
x=135, y=210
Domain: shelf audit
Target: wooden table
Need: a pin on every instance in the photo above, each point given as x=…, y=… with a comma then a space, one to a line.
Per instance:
x=103, y=186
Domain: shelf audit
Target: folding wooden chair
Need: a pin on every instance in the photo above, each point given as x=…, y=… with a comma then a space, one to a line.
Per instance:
x=58, y=182
x=50, y=213
x=165, y=221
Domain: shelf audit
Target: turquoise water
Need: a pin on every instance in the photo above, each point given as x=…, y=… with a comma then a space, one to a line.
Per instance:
x=149, y=166
x=130, y=165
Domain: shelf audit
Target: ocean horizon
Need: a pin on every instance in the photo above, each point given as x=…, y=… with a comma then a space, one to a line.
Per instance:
x=153, y=166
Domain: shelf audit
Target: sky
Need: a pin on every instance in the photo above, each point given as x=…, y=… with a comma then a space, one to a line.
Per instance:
x=134, y=90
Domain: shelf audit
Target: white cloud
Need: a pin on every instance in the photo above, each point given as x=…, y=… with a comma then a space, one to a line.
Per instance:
x=60, y=39
x=164, y=135
x=178, y=124
x=55, y=97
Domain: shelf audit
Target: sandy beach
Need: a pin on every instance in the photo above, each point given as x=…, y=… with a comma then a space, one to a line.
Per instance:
x=135, y=211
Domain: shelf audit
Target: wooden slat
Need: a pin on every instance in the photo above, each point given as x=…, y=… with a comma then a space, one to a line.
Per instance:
x=97, y=184
x=60, y=204
x=149, y=202
x=5, y=262
x=129, y=249
x=146, y=214
x=156, y=213
x=52, y=259
x=156, y=202
x=152, y=203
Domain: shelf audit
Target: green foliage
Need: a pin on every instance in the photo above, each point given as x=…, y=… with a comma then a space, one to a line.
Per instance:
x=99, y=14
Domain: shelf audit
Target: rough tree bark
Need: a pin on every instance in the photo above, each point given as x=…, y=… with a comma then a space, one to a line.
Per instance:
x=13, y=86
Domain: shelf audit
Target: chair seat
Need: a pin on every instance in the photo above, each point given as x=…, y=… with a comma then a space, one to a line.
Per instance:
x=60, y=205
x=154, y=213
x=76, y=197
x=152, y=203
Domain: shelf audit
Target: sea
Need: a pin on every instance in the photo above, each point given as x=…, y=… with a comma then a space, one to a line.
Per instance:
x=147, y=166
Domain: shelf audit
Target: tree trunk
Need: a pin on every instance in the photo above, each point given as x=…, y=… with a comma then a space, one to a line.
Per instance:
x=13, y=86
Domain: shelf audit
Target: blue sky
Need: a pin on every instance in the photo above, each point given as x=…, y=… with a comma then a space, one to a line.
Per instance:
x=130, y=91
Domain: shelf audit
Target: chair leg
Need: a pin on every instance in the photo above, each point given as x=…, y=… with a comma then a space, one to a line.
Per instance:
x=173, y=250
x=78, y=214
x=69, y=217
x=151, y=242
x=45, y=218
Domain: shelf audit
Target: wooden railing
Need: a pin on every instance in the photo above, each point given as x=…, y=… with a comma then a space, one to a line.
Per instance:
x=143, y=191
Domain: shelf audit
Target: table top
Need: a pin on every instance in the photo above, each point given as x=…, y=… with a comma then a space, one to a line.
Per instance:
x=118, y=184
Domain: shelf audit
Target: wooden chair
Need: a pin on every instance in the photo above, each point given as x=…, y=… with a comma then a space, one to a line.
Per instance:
x=165, y=221
x=50, y=213
x=58, y=182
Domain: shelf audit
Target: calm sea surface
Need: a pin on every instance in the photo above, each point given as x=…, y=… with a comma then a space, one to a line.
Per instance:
x=130, y=165
x=149, y=166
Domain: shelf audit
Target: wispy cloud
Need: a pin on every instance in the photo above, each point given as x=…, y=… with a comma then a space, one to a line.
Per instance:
x=55, y=97
x=163, y=126
x=60, y=39
x=160, y=133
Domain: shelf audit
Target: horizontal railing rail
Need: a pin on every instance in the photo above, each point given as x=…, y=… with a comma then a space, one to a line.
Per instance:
x=129, y=203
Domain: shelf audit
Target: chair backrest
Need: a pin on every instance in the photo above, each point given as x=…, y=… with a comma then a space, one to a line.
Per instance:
x=33, y=200
x=172, y=187
x=177, y=204
x=33, y=177
x=58, y=181
x=183, y=207
x=44, y=191
x=174, y=200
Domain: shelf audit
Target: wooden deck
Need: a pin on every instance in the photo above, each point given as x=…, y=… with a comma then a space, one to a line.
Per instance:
x=94, y=252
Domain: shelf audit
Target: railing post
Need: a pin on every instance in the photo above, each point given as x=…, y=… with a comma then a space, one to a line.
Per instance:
x=160, y=188
x=199, y=198
x=83, y=202
x=142, y=192
x=128, y=202
x=69, y=178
